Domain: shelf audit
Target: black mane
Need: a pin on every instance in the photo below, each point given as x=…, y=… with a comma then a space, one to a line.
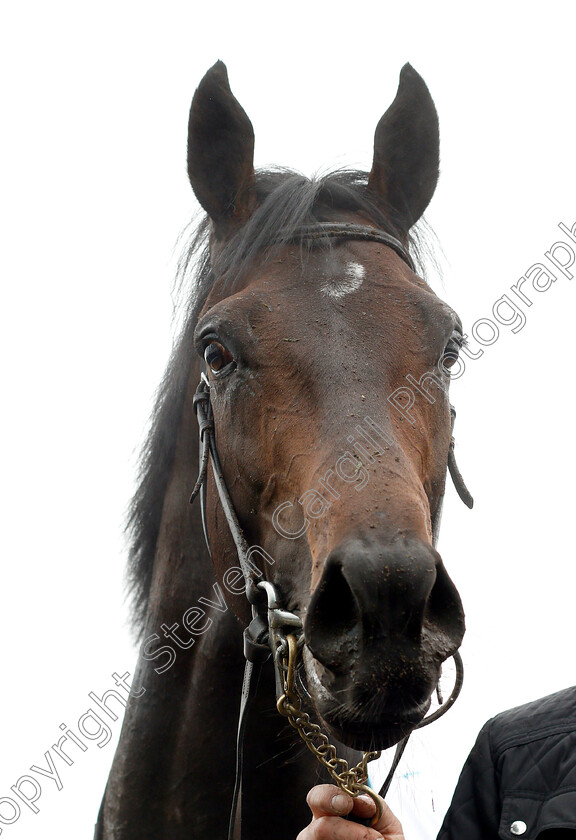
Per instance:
x=286, y=201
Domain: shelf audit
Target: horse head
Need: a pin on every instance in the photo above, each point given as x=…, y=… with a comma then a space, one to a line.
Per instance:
x=328, y=363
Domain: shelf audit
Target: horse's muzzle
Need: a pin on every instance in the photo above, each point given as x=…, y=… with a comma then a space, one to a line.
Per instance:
x=380, y=623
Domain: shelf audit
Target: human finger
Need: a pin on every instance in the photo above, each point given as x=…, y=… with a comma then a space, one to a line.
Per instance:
x=388, y=824
x=328, y=801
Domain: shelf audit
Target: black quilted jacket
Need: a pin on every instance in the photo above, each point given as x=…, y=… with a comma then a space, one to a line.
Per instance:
x=520, y=778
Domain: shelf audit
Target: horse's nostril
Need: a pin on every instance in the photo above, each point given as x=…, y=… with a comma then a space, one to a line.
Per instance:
x=333, y=619
x=444, y=609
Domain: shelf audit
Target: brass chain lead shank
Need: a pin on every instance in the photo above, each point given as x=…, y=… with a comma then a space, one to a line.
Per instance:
x=351, y=780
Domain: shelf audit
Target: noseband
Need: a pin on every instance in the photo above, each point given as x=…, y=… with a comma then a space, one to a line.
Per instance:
x=275, y=631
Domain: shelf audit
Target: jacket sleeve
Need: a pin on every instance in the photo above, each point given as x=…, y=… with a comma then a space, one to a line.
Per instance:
x=474, y=813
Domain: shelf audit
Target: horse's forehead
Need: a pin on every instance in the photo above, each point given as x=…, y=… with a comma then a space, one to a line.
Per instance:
x=351, y=280
x=334, y=273
x=353, y=275
x=341, y=280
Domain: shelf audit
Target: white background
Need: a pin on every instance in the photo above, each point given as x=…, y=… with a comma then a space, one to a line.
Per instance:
x=94, y=194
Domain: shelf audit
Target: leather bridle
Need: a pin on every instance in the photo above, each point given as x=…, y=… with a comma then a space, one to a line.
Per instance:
x=345, y=230
x=270, y=625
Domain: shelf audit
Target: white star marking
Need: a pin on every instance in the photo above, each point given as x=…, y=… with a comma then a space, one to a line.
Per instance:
x=352, y=280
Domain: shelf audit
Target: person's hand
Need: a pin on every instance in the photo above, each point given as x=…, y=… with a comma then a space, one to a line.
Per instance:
x=329, y=805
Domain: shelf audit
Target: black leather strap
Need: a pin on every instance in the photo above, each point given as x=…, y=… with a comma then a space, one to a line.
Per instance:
x=209, y=452
x=455, y=473
x=252, y=671
x=343, y=230
x=256, y=652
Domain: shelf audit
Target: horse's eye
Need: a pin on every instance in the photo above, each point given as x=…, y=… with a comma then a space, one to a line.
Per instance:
x=452, y=350
x=217, y=357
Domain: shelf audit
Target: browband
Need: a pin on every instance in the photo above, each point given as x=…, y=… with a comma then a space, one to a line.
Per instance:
x=345, y=230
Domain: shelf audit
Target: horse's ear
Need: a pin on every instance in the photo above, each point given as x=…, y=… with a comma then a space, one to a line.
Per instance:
x=221, y=152
x=406, y=150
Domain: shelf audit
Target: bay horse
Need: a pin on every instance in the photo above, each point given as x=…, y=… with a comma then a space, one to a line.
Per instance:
x=306, y=323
